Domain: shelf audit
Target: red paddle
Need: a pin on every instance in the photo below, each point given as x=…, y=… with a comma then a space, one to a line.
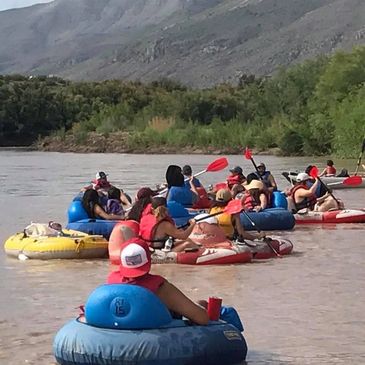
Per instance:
x=248, y=156
x=217, y=165
x=314, y=173
x=351, y=181
x=233, y=207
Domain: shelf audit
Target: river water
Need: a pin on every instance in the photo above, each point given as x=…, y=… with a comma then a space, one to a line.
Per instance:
x=304, y=309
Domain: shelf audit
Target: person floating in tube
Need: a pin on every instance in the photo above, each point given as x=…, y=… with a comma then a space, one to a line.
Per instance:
x=157, y=227
x=266, y=177
x=134, y=269
x=302, y=196
x=231, y=224
x=329, y=170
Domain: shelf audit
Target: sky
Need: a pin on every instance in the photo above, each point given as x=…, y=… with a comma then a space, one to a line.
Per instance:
x=9, y=4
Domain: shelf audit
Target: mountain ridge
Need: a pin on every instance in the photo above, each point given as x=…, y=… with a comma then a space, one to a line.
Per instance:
x=198, y=42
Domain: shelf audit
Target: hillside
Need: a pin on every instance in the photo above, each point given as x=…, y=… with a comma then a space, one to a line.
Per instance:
x=200, y=42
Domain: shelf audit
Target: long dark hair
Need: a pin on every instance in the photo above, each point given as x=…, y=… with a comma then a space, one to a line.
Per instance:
x=136, y=211
x=89, y=200
x=144, y=196
x=174, y=176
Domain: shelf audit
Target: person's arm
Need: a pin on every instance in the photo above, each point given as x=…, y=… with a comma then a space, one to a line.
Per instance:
x=193, y=188
x=99, y=211
x=124, y=200
x=322, y=198
x=178, y=302
x=263, y=203
x=242, y=232
x=323, y=172
x=274, y=186
x=171, y=230
x=303, y=193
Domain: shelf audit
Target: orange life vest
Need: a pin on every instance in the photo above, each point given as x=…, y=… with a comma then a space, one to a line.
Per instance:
x=330, y=170
x=248, y=202
x=308, y=202
x=147, y=229
x=233, y=180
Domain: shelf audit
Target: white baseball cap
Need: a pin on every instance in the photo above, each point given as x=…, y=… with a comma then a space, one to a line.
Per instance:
x=135, y=258
x=302, y=176
x=101, y=175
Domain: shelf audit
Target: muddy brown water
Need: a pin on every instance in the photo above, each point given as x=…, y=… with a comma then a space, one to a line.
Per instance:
x=304, y=309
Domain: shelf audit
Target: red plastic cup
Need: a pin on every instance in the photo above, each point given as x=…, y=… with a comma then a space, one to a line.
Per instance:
x=214, y=308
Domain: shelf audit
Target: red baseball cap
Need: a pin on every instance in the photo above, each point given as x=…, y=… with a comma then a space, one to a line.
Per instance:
x=135, y=258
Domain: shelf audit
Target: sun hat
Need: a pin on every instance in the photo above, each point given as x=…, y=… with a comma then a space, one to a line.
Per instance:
x=135, y=258
x=238, y=170
x=255, y=184
x=145, y=193
x=302, y=176
x=100, y=175
x=223, y=196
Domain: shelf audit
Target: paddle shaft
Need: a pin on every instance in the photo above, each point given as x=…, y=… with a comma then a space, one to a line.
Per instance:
x=233, y=207
x=200, y=219
x=257, y=170
x=360, y=157
x=259, y=230
x=328, y=190
x=198, y=174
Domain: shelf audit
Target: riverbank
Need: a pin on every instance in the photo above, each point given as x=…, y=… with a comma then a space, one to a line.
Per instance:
x=120, y=142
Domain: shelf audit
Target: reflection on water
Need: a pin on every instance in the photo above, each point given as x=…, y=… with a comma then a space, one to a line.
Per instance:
x=302, y=309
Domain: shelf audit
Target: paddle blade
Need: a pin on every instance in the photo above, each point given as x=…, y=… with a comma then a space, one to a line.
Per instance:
x=217, y=165
x=248, y=153
x=313, y=172
x=233, y=207
x=352, y=180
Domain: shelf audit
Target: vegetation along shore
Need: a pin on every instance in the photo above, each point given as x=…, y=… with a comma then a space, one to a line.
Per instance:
x=314, y=108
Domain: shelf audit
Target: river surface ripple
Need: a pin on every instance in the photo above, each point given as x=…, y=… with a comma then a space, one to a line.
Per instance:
x=304, y=309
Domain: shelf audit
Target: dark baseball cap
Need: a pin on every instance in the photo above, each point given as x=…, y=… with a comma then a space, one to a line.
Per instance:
x=237, y=170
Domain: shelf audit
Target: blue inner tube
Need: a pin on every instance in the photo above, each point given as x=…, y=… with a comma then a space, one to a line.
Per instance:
x=79, y=221
x=216, y=344
x=269, y=219
x=128, y=324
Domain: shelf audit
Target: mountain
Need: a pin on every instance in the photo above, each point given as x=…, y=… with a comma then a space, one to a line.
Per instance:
x=10, y=4
x=199, y=42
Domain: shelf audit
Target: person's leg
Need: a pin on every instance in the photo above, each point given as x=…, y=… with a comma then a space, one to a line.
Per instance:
x=180, y=246
x=329, y=203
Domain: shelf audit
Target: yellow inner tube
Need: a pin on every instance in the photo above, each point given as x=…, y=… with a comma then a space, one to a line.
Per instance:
x=67, y=241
